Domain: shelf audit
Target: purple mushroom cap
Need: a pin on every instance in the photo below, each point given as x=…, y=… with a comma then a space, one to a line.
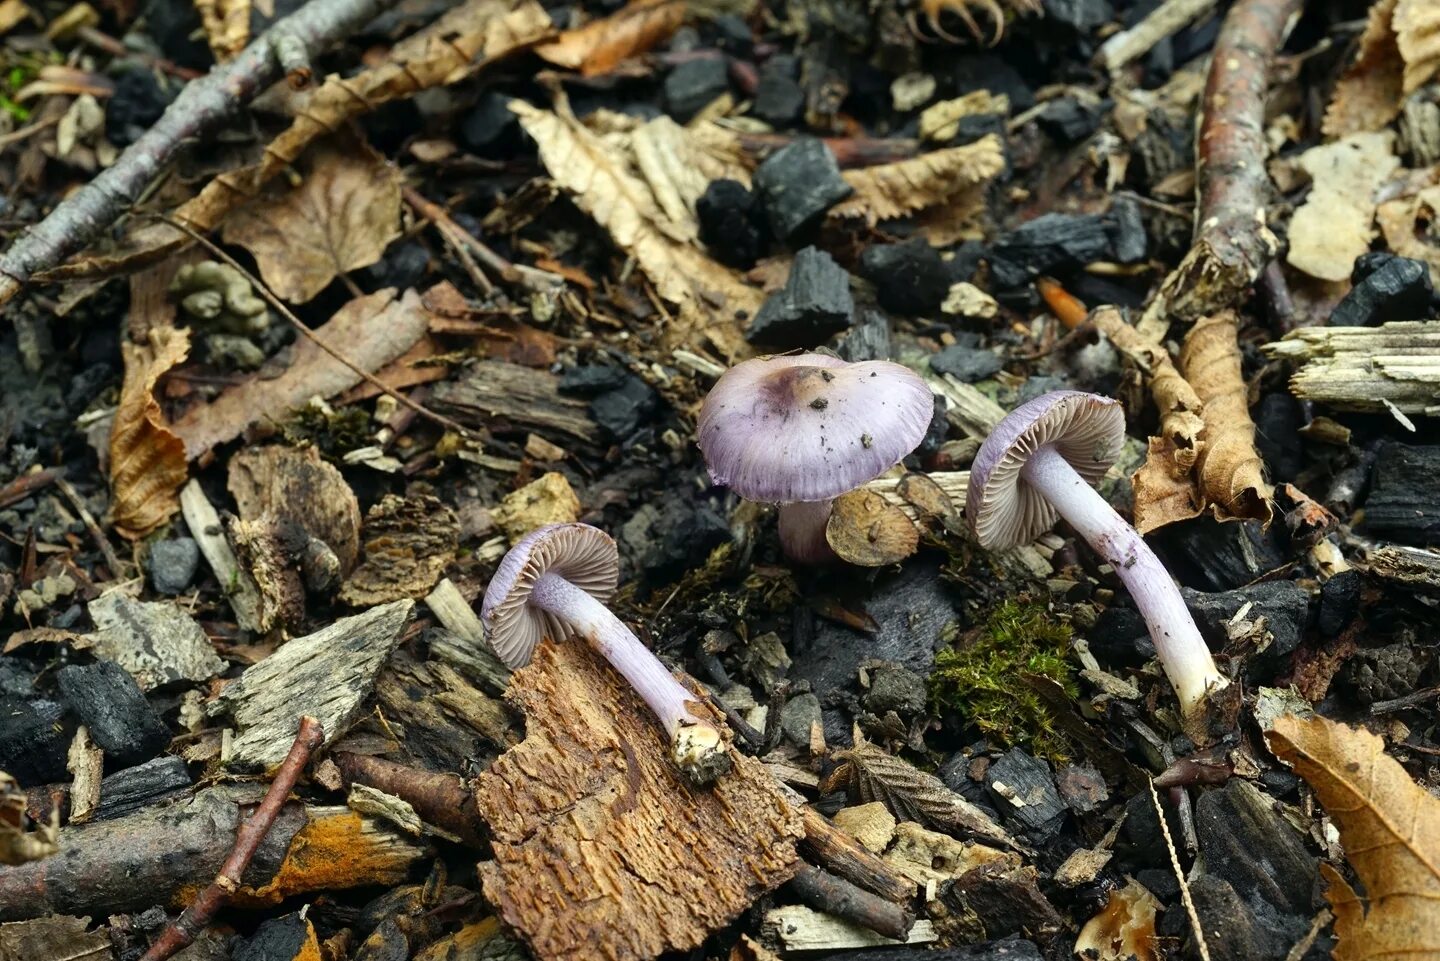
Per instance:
x=1088, y=431
x=584, y=556
x=809, y=427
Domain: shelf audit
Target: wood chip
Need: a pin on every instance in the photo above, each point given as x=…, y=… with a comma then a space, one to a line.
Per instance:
x=591, y=822
x=299, y=486
x=157, y=642
x=85, y=762
x=549, y=499
x=1363, y=368
x=803, y=929
x=871, y=824
x=503, y=395
x=238, y=585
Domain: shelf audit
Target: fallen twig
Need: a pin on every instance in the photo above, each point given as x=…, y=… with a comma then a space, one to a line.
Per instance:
x=201, y=106
x=1162, y=22
x=193, y=919
x=27, y=484
x=824, y=891
x=440, y=799
x=1232, y=243
x=112, y=561
x=844, y=855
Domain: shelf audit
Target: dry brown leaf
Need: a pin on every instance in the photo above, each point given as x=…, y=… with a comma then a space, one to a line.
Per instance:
x=1230, y=471
x=340, y=218
x=962, y=217
x=929, y=180
x=1390, y=829
x=297, y=485
x=1124, y=929
x=599, y=177
x=369, y=331
x=1410, y=220
x=1368, y=96
x=1164, y=492
x=227, y=26
x=1335, y=224
x=1417, y=34
x=866, y=529
x=600, y=45
x=147, y=458
x=1180, y=408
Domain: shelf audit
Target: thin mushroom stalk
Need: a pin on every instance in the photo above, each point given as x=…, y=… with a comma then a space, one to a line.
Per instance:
x=696, y=745
x=1182, y=651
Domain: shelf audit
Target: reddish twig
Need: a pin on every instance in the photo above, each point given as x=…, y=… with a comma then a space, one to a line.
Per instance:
x=1232, y=243
x=247, y=840
x=443, y=800
x=26, y=484
x=201, y=106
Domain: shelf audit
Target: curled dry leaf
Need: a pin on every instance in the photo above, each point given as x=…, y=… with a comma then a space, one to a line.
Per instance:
x=1124, y=928
x=929, y=180
x=369, y=331
x=1368, y=96
x=341, y=217
x=1335, y=224
x=147, y=458
x=1181, y=420
x=1389, y=828
x=600, y=45
x=1417, y=34
x=866, y=529
x=1164, y=492
x=600, y=179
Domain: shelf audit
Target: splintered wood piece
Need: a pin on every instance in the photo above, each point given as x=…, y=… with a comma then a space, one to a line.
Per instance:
x=1395, y=366
x=602, y=849
x=237, y=583
x=328, y=675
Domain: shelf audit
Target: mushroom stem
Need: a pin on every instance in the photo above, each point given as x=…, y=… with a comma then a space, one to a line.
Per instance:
x=697, y=747
x=1182, y=651
x=802, y=531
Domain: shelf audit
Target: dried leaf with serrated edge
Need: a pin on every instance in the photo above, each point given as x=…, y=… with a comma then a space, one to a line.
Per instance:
x=678, y=163
x=896, y=189
x=369, y=331
x=147, y=458
x=603, y=186
x=1368, y=96
x=1390, y=830
x=601, y=44
x=340, y=218
x=1417, y=34
x=913, y=795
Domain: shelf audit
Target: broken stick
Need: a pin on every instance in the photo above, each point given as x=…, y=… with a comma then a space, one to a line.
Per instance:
x=193, y=919
x=201, y=106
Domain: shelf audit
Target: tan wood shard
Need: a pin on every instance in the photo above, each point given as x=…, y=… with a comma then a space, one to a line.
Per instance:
x=602, y=850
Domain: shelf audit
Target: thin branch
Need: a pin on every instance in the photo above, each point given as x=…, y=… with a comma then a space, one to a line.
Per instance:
x=310, y=335
x=112, y=561
x=201, y=107
x=247, y=841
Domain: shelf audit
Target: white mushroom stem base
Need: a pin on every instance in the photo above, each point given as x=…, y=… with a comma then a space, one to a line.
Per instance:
x=802, y=531
x=1182, y=651
x=697, y=747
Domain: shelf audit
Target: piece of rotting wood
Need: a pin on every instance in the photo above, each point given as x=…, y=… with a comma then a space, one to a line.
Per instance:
x=801, y=930
x=1413, y=567
x=842, y=854
x=965, y=406
x=498, y=393
x=1395, y=366
x=602, y=849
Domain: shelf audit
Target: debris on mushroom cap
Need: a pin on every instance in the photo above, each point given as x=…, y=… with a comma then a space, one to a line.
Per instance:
x=1086, y=429
x=583, y=555
x=809, y=427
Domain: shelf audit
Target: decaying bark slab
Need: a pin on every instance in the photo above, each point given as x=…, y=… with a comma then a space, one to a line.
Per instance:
x=328, y=675
x=602, y=849
x=296, y=485
x=1373, y=369
x=1412, y=567
x=505, y=396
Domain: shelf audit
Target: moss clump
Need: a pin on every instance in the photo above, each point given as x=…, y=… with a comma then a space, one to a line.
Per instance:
x=983, y=682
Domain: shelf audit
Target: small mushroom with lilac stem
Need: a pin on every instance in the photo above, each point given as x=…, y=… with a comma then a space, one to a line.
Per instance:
x=801, y=430
x=554, y=583
x=1041, y=461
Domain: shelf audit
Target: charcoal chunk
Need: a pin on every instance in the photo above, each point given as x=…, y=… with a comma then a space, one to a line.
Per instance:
x=1234, y=930
x=1049, y=243
x=779, y=100
x=797, y=716
x=591, y=380
x=797, y=184
x=990, y=71
x=895, y=688
x=1212, y=556
x=1082, y=16
x=1386, y=288
x=33, y=741
x=732, y=225
x=1404, y=502
x=403, y=266
x=1127, y=231
x=173, y=564
x=1023, y=791
x=138, y=101
x=969, y=364
x=867, y=340
x=1339, y=600
x=1246, y=843
x=625, y=409
x=1278, y=419
x=1009, y=949
x=693, y=85
x=815, y=304
x=274, y=940
x=1068, y=120
x=909, y=278
x=1285, y=605
x=490, y=128
x=107, y=700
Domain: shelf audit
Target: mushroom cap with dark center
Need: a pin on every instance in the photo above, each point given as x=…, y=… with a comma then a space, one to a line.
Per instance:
x=583, y=555
x=1085, y=429
x=809, y=427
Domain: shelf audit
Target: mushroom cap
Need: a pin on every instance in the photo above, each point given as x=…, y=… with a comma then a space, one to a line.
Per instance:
x=809, y=427
x=1086, y=429
x=585, y=556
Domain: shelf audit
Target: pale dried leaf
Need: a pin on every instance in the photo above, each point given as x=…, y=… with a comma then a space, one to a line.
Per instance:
x=678, y=163
x=1389, y=828
x=369, y=331
x=1368, y=96
x=147, y=458
x=1417, y=33
x=941, y=122
x=913, y=795
x=601, y=44
x=1164, y=492
x=1124, y=929
x=893, y=190
x=1407, y=221
x=1335, y=224
x=603, y=186
x=340, y=218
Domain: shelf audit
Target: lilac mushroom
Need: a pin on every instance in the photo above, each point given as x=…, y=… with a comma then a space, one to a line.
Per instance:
x=554, y=582
x=801, y=430
x=1041, y=461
